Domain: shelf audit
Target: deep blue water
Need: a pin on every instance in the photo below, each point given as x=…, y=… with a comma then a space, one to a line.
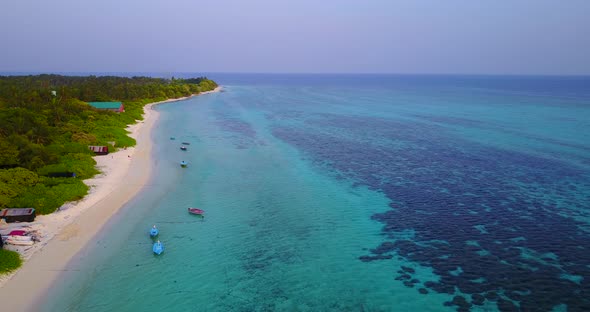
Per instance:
x=361, y=193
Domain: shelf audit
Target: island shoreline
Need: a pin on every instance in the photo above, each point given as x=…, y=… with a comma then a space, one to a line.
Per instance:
x=67, y=231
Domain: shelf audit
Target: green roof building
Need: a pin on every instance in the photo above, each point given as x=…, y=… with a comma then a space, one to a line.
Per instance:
x=112, y=106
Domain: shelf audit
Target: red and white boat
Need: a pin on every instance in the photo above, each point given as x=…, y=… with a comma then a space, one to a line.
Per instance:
x=196, y=211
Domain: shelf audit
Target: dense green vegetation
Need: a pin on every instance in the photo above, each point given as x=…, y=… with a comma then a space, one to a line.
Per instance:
x=9, y=261
x=42, y=133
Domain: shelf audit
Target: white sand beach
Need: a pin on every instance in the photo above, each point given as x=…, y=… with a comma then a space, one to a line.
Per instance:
x=64, y=233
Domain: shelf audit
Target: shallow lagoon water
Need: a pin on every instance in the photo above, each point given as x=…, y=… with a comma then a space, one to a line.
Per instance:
x=356, y=193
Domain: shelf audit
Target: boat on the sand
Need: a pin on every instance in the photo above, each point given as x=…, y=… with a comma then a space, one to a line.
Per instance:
x=23, y=238
x=19, y=242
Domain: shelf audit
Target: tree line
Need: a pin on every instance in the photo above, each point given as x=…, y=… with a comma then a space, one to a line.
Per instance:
x=46, y=126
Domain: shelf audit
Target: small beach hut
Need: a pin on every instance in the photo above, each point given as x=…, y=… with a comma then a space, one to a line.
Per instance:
x=63, y=174
x=99, y=150
x=111, y=106
x=18, y=214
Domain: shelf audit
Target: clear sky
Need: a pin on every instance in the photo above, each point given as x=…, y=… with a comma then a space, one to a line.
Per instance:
x=285, y=36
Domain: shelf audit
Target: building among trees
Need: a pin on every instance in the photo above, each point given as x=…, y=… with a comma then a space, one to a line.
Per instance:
x=99, y=150
x=112, y=106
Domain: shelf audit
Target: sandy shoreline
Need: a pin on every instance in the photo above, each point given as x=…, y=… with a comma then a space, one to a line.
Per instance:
x=64, y=233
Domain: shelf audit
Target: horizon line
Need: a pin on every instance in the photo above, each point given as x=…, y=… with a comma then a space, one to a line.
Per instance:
x=15, y=73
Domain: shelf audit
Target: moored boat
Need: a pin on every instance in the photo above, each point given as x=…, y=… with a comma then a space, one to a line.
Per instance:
x=182, y=147
x=158, y=248
x=154, y=231
x=183, y=163
x=196, y=211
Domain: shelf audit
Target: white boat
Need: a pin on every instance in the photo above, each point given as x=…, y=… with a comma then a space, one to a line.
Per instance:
x=20, y=238
x=19, y=243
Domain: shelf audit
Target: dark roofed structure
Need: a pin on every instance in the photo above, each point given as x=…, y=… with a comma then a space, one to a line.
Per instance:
x=99, y=150
x=18, y=214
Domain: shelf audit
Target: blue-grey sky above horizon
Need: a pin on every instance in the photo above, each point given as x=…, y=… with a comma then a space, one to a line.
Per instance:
x=302, y=36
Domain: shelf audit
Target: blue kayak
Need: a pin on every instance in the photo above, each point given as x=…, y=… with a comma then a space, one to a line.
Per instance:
x=154, y=232
x=158, y=248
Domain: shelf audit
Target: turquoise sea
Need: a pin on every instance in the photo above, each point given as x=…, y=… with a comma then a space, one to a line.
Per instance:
x=356, y=193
